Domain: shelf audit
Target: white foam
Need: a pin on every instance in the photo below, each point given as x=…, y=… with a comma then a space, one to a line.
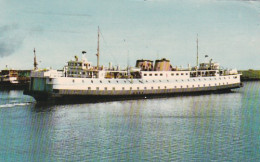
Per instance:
x=8, y=105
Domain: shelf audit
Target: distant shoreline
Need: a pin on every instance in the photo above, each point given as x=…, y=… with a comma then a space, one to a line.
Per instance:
x=250, y=75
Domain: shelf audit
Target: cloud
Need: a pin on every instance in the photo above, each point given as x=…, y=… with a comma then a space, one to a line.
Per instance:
x=10, y=39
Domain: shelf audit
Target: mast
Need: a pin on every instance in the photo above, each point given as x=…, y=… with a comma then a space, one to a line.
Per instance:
x=35, y=61
x=197, y=51
x=98, y=50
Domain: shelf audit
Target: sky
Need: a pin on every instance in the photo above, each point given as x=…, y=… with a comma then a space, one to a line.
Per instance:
x=228, y=32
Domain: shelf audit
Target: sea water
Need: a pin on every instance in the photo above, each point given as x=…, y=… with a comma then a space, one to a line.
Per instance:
x=211, y=127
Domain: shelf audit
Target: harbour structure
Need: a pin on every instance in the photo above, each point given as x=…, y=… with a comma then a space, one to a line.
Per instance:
x=80, y=80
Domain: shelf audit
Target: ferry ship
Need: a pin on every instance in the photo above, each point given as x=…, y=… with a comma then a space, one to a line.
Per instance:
x=14, y=79
x=79, y=80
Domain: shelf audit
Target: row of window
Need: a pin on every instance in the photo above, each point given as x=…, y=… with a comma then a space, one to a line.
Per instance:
x=161, y=74
x=165, y=87
x=117, y=81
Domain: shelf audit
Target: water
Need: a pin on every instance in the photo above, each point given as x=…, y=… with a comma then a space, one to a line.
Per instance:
x=214, y=127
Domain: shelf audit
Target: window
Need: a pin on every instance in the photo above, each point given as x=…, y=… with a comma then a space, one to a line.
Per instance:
x=145, y=88
x=100, y=81
x=177, y=73
x=105, y=88
x=175, y=87
x=187, y=86
x=109, y=81
x=123, y=88
x=97, y=88
x=181, y=73
x=73, y=80
x=156, y=74
x=181, y=86
x=165, y=87
x=151, y=87
x=117, y=81
x=89, y=88
x=137, y=88
x=172, y=74
x=130, y=88
x=161, y=74
x=145, y=74
x=160, y=81
x=114, y=88
x=186, y=73
x=158, y=87
x=91, y=81
x=150, y=74
x=82, y=81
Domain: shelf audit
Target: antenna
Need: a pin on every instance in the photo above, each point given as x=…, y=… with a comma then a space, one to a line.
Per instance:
x=98, y=49
x=197, y=51
x=35, y=61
